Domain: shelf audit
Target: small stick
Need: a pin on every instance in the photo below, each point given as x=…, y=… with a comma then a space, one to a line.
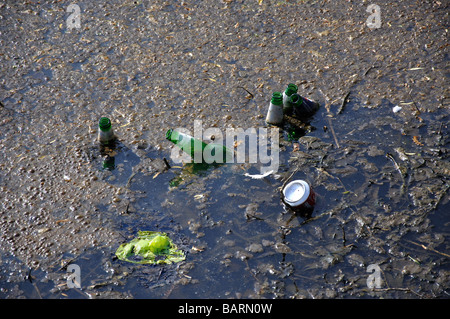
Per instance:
x=252, y=96
x=367, y=71
x=414, y=102
x=288, y=179
x=344, y=101
x=327, y=107
x=129, y=179
x=429, y=248
x=343, y=236
x=167, y=163
x=334, y=134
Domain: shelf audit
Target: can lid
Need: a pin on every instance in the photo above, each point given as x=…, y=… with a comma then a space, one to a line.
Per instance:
x=296, y=192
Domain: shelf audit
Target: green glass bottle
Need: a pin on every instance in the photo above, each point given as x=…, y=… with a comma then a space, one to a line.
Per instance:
x=302, y=106
x=105, y=134
x=287, y=106
x=187, y=143
x=200, y=151
x=275, y=112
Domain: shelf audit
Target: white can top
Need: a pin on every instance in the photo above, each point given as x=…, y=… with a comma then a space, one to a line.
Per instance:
x=296, y=193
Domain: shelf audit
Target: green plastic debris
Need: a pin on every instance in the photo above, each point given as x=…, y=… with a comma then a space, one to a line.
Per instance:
x=150, y=247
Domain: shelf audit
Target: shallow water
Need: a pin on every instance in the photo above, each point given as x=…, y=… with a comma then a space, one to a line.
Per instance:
x=155, y=65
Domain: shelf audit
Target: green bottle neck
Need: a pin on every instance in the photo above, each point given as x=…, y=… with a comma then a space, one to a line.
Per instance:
x=277, y=98
x=296, y=99
x=104, y=124
x=291, y=89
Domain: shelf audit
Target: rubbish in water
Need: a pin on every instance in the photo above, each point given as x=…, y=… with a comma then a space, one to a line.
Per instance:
x=275, y=112
x=188, y=172
x=299, y=196
x=200, y=151
x=105, y=134
x=107, y=140
x=287, y=106
x=259, y=176
x=396, y=109
x=150, y=247
x=109, y=162
x=302, y=106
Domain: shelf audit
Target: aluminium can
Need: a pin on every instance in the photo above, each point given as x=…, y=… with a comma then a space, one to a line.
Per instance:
x=299, y=195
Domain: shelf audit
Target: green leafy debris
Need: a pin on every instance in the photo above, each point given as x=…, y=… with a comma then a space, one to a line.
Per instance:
x=150, y=247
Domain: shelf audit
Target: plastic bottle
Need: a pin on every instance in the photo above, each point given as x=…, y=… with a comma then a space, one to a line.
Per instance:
x=105, y=134
x=275, y=112
x=287, y=106
x=196, y=149
x=303, y=107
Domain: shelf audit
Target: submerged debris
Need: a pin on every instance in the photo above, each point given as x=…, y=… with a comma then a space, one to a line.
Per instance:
x=150, y=247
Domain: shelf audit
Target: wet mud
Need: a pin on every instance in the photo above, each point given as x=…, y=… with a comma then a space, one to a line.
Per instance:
x=381, y=177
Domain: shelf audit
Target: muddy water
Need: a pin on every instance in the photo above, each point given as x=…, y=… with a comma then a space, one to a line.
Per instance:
x=381, y=177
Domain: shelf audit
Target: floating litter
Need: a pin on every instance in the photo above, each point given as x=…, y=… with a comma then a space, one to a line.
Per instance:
x=150, y=247
x=396, y=109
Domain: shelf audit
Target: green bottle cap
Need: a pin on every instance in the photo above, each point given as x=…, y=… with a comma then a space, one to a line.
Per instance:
x=104, y=124
x=291, y=89
x=277, y=98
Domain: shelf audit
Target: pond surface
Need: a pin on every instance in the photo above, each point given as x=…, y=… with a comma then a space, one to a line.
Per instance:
x=381, y=177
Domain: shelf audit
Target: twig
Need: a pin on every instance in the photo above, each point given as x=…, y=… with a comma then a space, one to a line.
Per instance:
x=129, y=179
x=367, y=71
x=252, y=96
x=402, y=172
x=343, y=236
x=287, y=180
x=334, y=134
x=397, y=167
x=167, y=163
x=344, y=101
x=37, y=290
x=327, y=104
x=327, y=107
x=67, y=263
x=414, y=102
x=250, y=270
x=315, y=217
x=429, y=248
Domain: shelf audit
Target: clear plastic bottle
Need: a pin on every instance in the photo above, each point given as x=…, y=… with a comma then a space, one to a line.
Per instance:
x=275, y=112
x=287, y=106
x=105, y=134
